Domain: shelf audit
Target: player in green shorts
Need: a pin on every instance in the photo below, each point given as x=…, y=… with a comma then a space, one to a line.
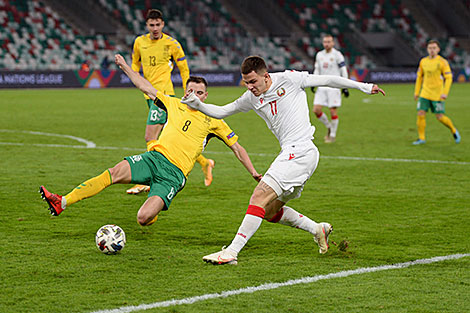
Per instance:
x=437, y=107
x=433, y=81
x=169, y=160
x=153, y=169
x=156, y=53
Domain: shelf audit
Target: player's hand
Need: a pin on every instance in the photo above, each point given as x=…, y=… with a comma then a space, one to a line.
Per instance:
x=345, y=92
x=119, y=60
x=312, y=89
x=443, y=97
x=376, y=90
x=416, y=97
x=191, y=100
x=257, y=177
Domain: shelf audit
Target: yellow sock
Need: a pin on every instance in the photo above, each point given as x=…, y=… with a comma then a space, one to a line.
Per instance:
x=421, y=122
x=151, y=144
x=447, y=122
x=202, y=160
x=152, y=221
x=89, y=188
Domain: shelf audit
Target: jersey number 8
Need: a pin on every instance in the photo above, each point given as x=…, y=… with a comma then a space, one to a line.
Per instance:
x=186, y=125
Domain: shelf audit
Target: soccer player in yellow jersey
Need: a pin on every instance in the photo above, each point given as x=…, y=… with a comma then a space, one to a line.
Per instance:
x=431, y=91
x=168, y=161
x=156, y=52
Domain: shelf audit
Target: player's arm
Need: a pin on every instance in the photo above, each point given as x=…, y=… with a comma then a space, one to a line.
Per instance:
x=447, y=74
x=136, y=63
x=340, y=82
x=419, y=80
x=182, y=64
x=316, y=70
x=343, y=72
x=144, y=85
x=181, y=61
x=243, y=157
x=212, y=110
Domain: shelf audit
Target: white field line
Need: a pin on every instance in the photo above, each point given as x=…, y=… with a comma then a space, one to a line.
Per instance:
x=142, y=149
x=89, y=144
x=271, y=286
x=92, y=145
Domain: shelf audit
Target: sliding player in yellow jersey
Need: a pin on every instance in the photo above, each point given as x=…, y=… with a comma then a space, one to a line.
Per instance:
x=168, y=161
x=431, y=92
x=156, y=53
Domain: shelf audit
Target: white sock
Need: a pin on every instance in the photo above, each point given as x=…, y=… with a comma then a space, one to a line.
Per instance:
x=63, y=203
x=324, y=119
x=292, y=218
x=334, y=127
x=247, y=229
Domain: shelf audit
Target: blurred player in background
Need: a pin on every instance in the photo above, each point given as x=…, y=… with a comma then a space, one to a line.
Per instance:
x=280, y=99
x=168, y=161
x=431, y=91
x=156, y=52
x=329, y=62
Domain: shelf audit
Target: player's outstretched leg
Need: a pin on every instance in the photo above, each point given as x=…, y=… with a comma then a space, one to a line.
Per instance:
x=456, y=136
x=448, y=123
x=334, y=128
x=53, y=200
x=288, y=216
x=421, y=124
x=324, y=119
x=321, y=236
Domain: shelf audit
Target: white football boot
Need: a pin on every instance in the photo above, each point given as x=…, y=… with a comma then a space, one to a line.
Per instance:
x=138, y=189
x=221, y=257
x=321, y=236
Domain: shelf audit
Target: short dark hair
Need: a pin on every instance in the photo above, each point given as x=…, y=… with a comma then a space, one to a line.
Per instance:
x=254, y=63
x=154, y=14
x=327, y=35
x=197, y=80
x=433, y=41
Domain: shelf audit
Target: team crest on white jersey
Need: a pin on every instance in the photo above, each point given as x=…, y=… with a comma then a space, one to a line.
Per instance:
x=261, y=100
x=280, y=92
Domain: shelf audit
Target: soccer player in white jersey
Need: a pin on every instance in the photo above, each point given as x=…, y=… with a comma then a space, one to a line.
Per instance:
x=280, y=99
x=329, y=62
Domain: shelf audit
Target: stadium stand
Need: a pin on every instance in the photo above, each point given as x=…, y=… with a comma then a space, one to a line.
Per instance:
x=367, y=16
x=212, y=39
x=35, y=37
x=321, y=18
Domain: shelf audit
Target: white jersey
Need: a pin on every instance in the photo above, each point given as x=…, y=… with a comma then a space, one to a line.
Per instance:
x=283, y=107
x=330, y=63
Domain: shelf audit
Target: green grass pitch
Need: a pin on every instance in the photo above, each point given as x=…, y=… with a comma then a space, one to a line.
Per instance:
x=387, y=210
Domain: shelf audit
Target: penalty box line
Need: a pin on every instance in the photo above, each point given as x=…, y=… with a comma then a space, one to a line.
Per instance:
x=271, y=286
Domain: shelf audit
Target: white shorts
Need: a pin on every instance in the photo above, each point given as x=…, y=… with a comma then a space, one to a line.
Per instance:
x=329, y=97
x=291, y=169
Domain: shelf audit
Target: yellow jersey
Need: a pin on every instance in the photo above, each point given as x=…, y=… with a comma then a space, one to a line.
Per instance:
x=187, y=132
x=156, y=58
x=431, y=73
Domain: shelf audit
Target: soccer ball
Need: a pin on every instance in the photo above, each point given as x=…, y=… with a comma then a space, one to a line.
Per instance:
x=110, y=239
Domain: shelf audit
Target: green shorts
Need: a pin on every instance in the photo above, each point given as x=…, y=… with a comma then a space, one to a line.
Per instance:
x=156, y=115
x=426, y=104
x=153, y=169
